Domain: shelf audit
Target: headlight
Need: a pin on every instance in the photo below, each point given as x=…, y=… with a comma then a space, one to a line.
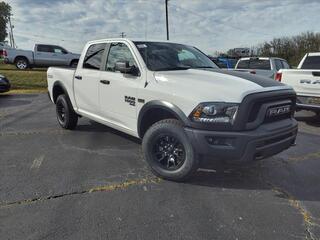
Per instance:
x=219, y=112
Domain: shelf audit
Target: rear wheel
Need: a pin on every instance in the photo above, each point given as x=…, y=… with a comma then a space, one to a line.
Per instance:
x=168, y=151
x=66, y=116
x=21, y=63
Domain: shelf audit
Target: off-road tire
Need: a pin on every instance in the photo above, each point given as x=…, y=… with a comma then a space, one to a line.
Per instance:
x=66, y=116
x=174, y=128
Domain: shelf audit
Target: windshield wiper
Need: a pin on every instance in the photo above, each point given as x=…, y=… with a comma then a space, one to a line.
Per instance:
x=203, y=67
x=173, y=68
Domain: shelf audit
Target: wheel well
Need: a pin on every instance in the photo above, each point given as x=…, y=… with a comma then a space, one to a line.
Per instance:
x=56, y=91
x=74, y=60
x=21, y=57
x=152, y=116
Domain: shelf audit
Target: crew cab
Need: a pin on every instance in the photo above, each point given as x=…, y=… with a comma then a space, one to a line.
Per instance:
x=44, y=55
x=174, y=98
x=306, y=82
x=264, y=66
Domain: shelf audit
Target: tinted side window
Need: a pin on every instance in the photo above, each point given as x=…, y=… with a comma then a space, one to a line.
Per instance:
x=57, y=49
x=285, y=65
x=119, y=52
x=311, y=62
x=278, y=64
x=45, y=48
x=93, y=57
x=260, y=64
x=244, y=64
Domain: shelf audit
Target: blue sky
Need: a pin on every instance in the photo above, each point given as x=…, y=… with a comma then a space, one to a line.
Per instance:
x=211, y=25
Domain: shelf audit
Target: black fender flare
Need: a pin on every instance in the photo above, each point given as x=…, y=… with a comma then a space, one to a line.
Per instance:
x=164, y=105
x=59, y=84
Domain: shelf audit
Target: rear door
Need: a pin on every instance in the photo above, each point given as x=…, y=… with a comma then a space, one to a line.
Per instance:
x=118, y=91
x=43, y=55
x=87, y=79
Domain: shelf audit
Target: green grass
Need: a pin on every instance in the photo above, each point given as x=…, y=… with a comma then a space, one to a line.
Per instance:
x=31, y=80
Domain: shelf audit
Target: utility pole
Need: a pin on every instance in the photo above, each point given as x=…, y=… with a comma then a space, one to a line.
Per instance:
x=12, y=43
x=122, y=34
x=167, y=19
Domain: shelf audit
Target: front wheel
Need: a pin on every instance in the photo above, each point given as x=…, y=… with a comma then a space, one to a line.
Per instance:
x=66, y=116
x=168, y=151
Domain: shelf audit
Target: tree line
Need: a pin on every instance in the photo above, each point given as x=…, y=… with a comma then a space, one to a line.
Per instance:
x=290, y=48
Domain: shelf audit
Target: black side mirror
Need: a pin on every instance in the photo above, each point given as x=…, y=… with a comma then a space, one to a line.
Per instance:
x=125, y=68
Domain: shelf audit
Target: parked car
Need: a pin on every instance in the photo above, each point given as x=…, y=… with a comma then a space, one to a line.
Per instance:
x=174, y=98
x=4, y=84
x=42, y=56
x=265, y=66
x=306, y=81
x=222, y=62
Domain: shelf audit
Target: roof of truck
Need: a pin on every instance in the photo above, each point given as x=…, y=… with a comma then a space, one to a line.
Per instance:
x=134, y=40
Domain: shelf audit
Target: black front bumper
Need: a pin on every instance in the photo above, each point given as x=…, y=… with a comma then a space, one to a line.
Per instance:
x=265, y=141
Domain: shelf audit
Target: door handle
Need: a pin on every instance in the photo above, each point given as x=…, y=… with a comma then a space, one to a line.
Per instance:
x=78, y=77
x=107, y=82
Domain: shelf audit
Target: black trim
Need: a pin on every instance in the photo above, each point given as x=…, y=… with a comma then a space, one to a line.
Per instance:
x=260, y=80
x=177, y=112
x=265, y=141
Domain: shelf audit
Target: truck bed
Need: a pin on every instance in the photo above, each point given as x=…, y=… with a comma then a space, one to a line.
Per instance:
x=64, y=75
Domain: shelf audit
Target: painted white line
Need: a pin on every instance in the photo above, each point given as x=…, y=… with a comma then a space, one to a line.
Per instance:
x=206, y=170
x=37, y=162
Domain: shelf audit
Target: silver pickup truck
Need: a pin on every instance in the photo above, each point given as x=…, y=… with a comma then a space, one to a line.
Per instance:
x=264, y=66
x=42, y=56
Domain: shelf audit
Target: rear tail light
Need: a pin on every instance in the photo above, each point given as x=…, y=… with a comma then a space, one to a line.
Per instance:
x=3, y=53
x=278, y=77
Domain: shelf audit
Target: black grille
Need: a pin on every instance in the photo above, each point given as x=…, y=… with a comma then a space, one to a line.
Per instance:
x=268, y=103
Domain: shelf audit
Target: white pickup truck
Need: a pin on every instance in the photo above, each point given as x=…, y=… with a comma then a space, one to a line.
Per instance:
x=306, y=82
x=177, y=101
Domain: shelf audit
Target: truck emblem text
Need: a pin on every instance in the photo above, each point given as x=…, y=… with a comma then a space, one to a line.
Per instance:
x=276, y=111
x=307, y=81
x=130, y=100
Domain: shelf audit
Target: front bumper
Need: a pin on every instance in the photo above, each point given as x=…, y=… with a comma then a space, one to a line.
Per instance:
x=242, y=146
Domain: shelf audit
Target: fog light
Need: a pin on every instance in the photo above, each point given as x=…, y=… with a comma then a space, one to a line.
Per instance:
x=220, y=141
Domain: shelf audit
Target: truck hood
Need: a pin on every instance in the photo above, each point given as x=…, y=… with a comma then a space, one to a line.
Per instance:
x=206, y=85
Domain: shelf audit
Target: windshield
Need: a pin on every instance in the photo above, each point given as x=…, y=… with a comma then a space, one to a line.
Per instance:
x=161, y=56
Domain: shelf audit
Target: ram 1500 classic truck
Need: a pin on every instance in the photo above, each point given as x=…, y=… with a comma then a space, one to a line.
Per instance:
x=43, y=56
x=306, y=82
x=177, y=101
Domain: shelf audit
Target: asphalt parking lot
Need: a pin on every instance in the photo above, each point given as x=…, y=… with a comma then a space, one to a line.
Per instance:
x=92, y=183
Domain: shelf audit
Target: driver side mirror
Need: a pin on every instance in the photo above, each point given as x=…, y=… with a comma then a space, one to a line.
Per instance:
x=124, y=67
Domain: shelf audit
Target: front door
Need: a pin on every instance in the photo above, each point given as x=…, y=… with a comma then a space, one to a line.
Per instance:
x=118, y=91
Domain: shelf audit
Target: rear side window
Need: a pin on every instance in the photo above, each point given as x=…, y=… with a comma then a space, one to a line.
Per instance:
x=260, y=64
x=285, y=65
x=243, y=64
x=45, y=48
x=94, y=55
x=311, y=62
x=278, y=64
